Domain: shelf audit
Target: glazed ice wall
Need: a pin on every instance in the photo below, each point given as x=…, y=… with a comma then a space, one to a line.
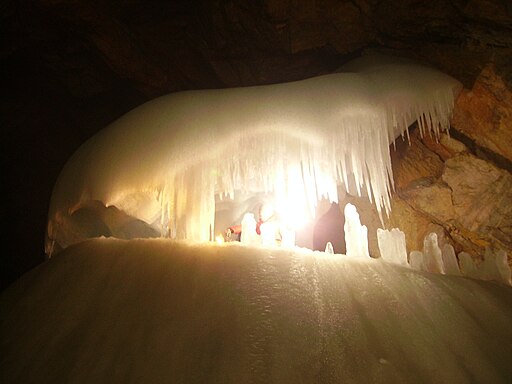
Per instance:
x=165, y=161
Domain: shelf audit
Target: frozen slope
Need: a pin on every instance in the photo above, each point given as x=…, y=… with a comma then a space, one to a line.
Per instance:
x=159, y=311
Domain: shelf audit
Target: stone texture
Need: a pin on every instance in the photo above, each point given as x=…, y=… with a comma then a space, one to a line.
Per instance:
x=484, y=113
x=442, y=187
x=414, y=163
x=482, y=198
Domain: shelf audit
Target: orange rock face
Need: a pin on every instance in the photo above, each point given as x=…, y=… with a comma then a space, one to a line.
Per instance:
x=459, y=186
x=484, y=114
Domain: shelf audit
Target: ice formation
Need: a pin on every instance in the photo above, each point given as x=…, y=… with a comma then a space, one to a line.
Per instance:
x=432, y=259
x=416, y=260
x=495, y=266
x=249, y=235
x=450, y=264
x=356, y=235
x=160, y=311
x=468, y=266
x=435, y=260
x=166, y=162
x=392, y=246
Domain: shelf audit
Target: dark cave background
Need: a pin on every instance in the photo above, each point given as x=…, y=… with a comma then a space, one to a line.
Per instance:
x=69, y=68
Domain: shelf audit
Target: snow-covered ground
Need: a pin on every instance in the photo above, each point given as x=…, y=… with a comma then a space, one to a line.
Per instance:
x=160, y=311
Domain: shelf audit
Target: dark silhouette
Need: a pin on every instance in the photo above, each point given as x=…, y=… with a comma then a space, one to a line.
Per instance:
x=329, y=227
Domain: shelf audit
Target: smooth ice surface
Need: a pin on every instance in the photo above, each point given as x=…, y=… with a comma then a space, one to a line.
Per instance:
x=392, y=246
x=167, y=161
x=161, y=311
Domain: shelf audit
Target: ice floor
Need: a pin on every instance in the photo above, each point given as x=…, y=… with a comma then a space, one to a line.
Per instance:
x=158, y=311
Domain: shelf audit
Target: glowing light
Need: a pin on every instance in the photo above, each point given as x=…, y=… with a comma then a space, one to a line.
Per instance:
x=219, y=239
x=164, y=162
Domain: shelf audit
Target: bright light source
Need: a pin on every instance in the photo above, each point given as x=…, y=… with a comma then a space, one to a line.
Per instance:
x=219, y=239
x=164, y=162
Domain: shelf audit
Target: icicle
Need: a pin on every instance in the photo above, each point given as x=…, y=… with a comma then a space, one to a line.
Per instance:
x=165, y=161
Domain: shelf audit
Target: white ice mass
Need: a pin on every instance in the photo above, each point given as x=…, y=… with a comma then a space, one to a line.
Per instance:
x=167, y=162
x=166, y=311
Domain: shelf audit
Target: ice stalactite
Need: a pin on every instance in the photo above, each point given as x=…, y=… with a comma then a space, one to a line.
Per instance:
x=166, y=161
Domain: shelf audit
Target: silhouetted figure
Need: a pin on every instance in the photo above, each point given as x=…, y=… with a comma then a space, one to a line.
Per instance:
x=329, y=228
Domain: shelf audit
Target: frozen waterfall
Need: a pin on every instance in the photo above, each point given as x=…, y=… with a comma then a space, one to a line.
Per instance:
x=165, y=163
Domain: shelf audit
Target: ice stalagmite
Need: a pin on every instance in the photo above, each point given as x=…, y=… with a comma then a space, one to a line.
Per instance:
x=392, y=246
x=432, y=258
x=356, y=235
x=165, y=162
x=451, y=266
x=416, y=260
x=468, y=266
x=495, y=266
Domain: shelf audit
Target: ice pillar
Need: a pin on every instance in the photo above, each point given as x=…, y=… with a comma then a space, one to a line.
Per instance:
x=356, y=235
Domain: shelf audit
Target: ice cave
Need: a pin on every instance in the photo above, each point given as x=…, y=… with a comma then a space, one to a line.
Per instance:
x=136, y=289
x=169, y=162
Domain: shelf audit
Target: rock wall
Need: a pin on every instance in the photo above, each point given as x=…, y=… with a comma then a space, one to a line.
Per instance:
x=459, y=186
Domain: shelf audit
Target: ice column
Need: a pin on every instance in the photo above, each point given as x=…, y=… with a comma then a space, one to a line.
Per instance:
x=495, y=266
x=287, y=237
x=468, y=266
x=249, y=235
x=268, y=234
x=432, y=259
x=504, y=269
x=392, y=246
x=356, y=235
x=416, y=260
x=451, y=266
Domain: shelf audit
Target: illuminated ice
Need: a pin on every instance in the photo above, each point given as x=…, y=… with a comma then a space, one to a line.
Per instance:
x=392, y=246
x=249, y=235
x=356, y=235
x=165, y=161
x=163, y=311
x=269, y=233
x=287, y=237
